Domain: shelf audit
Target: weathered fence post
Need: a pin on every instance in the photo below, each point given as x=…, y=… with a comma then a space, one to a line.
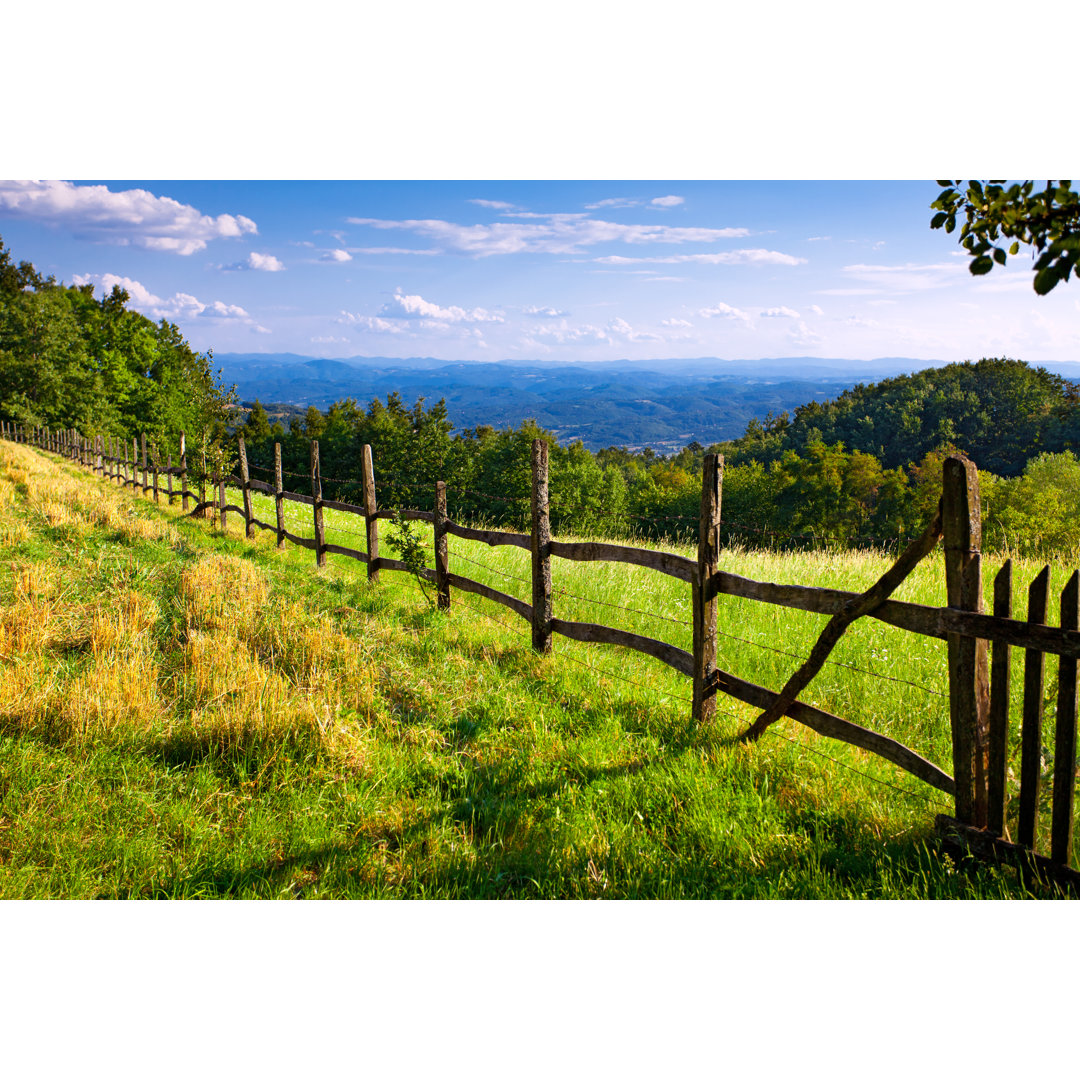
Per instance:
x=155, y=464
x=145, y=486
x=207, y=511
x=168, y=477
x=183, y=473
x=969, y=703
x=316, y=506
x=442, y=551
x=372, y=525
x=221, y=498
x=1000, y=687
x=245, y=487
x=540, y=546
x=704, y=613
x=279, y=498
x=134, y=466
x=1061, y=826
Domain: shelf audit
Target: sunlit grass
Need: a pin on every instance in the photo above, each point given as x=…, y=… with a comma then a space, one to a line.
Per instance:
x=187, y=714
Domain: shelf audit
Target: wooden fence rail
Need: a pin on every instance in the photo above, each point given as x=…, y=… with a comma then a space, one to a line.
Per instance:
x=978, y=689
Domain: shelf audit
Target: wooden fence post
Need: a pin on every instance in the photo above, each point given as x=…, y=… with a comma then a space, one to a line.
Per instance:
x=145, y=486
x=245, y=486
x=1061, y=826
x=704, y=614
x=207, y=511
x=221, y=500
x=317, y=507
x=134, y=465
x=155, y=463
x=279, y=498
x=442, y=552
x=370, y=522
x=168, y=477
x=969, y=703
x=540, y=545
x=183, y=473
x=1000, y=687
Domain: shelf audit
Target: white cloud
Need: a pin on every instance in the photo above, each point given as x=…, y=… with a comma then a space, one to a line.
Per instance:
x=675, y=323
x=778, y=313
x=371, y=322
x=803, y=336
x=544, y=312
x=269, y=263
x=560, y=234
x=394, y=251
x=402, y=306
x=337, y=255
x=621, y=328
x=261, y=330
x=258, y=261
x=669, y=200
x=615, y=204
x=329, y=341
x=908, y=277
x=493, y=204
x=134, y=217
x=815, y=239
x=816, y=310
x=720, y=310
x=178, y=306
x=742, y=255
x=565, y=334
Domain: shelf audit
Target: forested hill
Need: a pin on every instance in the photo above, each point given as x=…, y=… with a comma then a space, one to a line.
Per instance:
x=1002, y=413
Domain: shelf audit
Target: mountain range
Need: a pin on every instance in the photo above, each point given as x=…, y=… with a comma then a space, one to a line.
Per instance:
x=664, y=404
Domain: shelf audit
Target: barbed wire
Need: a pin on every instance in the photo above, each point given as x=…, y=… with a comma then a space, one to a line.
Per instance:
x=835, y=663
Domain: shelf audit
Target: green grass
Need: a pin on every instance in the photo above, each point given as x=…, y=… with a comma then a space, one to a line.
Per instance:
x=313, y=736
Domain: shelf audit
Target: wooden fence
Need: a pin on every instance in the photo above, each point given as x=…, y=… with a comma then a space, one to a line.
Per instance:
x=979, y=678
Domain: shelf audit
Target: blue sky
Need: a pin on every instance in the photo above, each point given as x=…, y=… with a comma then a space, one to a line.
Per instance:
x=475, y=270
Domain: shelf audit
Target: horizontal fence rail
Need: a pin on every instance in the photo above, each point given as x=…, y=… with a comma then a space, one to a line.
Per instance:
x=978, y=695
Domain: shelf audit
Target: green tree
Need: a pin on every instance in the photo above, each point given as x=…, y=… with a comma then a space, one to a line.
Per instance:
x=1048, y=221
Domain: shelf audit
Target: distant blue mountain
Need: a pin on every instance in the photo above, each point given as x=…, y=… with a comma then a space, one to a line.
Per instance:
x=660, y=403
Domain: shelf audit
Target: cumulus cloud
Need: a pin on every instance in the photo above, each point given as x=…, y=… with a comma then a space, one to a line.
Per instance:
x=402, y=306
x=669, y=200
x=371, y=322
x=329, y=341
x=395, y=251
x=258, y=261
x=779, y=313
x=561, y=234
x=720, y=310
x=803, y=336
x=134, y=217
x=675, y=323
x=714, y=258
x=622, y=329
x=270, y=263
x=544, y=312
x=816, y=310
x=178, y=306
x=337, y=255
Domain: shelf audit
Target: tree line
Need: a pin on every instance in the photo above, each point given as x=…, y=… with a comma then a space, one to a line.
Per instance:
x=864, y=468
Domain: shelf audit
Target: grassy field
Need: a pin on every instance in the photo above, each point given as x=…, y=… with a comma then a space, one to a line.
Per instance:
x=186, y=714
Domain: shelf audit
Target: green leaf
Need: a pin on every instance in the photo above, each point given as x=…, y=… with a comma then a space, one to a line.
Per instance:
x=975, y=188
x=945, y=183
x=999, y=256
x=1015, y=247
x=1046, y=279
x=938, y=220
x=951, y=223
x=982, y=265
